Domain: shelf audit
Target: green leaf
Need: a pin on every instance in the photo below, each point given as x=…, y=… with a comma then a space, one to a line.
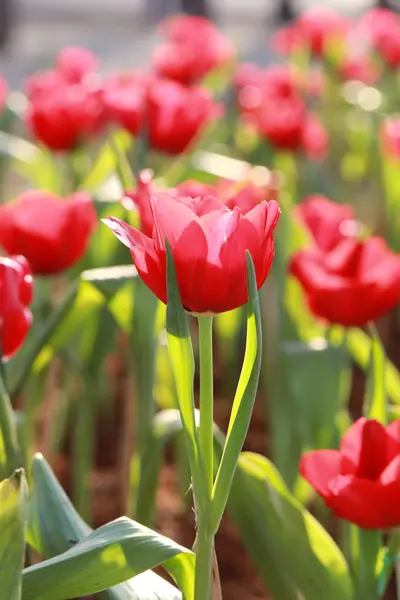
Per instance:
x=13, y=509
x=294, y=555
x=10, y=455
x=359, y=345
x=106, y=162
x=376, y=387
x=313, y=381
x=20, y=367
x=243, y=403
x=54, y=526
x=182, y=362
x=166, y=424
x=113, y=553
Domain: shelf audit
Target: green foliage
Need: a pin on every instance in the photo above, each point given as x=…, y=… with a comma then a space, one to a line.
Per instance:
x=13, y=514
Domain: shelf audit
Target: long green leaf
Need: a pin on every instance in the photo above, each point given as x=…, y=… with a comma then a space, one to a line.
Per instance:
x=54, y=527
x=243, y=403
x=20, y=366
x=113, y=553
x=13, y=513
x=376, y=388
x=182, y=361
x=294, y=555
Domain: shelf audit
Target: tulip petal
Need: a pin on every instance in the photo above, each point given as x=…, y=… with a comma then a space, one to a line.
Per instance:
x=363, y=449
x=358, y=501
x=393, y=440
x=130, y=237
x=319, y=467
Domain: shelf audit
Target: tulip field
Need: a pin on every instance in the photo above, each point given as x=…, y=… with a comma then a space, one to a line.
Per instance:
x=200, y=319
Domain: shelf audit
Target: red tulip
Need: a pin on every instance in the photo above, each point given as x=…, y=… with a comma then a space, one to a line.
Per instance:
x=381, y=29
x=62, y=115
x=125, y=98
x=272, y=100
x=360, y=482
x=329, y=223
x=16, y=290
x=243, y=195
x=208, y=242
x=177, y=114
x=357, y=282
x=75, y=63
x=53, y=233
x=195, y=48
x=313, y=29
x=3, y=93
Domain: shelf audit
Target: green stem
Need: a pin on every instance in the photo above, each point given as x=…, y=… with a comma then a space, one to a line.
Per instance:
x=204, y=553
x=206, y=399
x=10, y=458
x=83, y=452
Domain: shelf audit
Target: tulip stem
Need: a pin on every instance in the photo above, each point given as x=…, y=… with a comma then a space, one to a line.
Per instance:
x=204, y=555
x=206, y=399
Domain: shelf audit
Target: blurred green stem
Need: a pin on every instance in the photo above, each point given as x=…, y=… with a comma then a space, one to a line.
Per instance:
x=83, y=451
x=206, y=397
x=10, y=455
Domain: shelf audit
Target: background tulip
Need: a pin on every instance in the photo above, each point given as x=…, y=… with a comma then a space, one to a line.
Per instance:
x=53, y=233
x=16, y=290
x=328, y=222
x=194, y=48
x=360, y=482
x=357, y=282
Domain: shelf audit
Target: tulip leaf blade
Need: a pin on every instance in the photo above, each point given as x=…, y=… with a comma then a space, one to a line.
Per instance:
x=13, y=511
x=293, y=553
x=376, y=387
x=54, y=527
x=243, y=403
x=182, y=361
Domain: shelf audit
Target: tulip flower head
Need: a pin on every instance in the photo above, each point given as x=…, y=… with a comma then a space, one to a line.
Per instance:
x=51, y=232
x=244, y=195
x=208, y=242
x=328, y=223
x=16, y=291
x=360, y=482
x=66, y=105
x=314, y=29
x=357, y=282
x=193, y=49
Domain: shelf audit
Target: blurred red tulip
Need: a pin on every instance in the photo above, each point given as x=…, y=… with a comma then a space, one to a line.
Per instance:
x=314, y=29
x=272, y=100
x=380, y=29
x=194, y=48
x=357, y=282
x=16, y=291
x=125, y=99
x=177, y=114
x=75, y=63
x=360, y=482
x=3, y=93
x=328, y=223
x=61, y=115
x=208, y=242
x=51, y=232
